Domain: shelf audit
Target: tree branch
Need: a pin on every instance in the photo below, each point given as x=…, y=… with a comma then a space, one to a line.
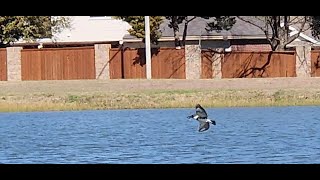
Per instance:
x=263, y=29
x=292, y=38
x=191, y=19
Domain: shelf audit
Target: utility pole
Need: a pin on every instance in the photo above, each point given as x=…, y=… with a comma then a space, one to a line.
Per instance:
x=148, y=48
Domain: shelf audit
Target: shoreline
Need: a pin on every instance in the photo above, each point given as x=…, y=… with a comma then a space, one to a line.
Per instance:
x=69, y=95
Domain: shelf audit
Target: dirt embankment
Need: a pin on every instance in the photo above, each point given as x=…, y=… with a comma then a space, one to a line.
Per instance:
x=90, y=86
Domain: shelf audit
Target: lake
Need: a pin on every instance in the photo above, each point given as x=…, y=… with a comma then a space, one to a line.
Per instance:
x=272, y=135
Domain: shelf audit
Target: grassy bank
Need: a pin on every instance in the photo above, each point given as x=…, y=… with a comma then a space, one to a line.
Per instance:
x=157, y=99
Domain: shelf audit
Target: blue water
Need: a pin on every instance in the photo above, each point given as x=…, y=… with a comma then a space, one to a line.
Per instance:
x=278, y=135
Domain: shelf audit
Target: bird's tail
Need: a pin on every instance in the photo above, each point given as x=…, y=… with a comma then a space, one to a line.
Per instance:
x=212, y=121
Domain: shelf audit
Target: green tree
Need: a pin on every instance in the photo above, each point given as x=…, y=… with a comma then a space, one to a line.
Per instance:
x=219, y=23
x=174, y=22
x=14, y=28
x=138, y=29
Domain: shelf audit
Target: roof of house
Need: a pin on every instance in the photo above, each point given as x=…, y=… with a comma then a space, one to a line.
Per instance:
x=240, y=30
x=197, y=28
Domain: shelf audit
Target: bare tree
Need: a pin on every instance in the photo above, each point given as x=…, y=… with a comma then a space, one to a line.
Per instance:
x=277, y=28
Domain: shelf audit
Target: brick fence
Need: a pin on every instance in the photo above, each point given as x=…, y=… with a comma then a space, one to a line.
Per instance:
x=194, y=63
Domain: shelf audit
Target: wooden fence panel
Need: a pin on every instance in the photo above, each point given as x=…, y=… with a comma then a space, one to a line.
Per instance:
x=259, y=64
x=131, y=63
x=168, y=63
x=134, y=64
x=3, y=64
x=315, y=63
x=209, y=58
x=115, y=63
x=58, y=63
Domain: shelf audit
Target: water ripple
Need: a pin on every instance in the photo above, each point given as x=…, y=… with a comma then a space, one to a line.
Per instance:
x=274, y=135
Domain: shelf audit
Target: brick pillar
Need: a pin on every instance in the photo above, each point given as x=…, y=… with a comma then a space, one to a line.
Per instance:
x=14, y=63
x=216, y=63
x=101, y=57
x=193, y=61
x=303, y=61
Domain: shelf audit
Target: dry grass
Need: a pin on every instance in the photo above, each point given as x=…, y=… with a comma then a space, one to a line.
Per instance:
x=157, y=99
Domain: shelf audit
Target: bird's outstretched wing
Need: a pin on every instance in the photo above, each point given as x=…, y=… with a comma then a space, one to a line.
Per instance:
x=194, y=116
x=201, y=112
x=203, y=126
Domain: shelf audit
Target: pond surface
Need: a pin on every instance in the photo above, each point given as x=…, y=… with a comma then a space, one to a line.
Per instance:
x=276, y=135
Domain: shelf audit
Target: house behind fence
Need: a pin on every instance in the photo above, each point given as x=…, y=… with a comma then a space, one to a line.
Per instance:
x=100, y=47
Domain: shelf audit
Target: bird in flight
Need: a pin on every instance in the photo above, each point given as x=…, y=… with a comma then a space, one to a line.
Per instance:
x=202, y=117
